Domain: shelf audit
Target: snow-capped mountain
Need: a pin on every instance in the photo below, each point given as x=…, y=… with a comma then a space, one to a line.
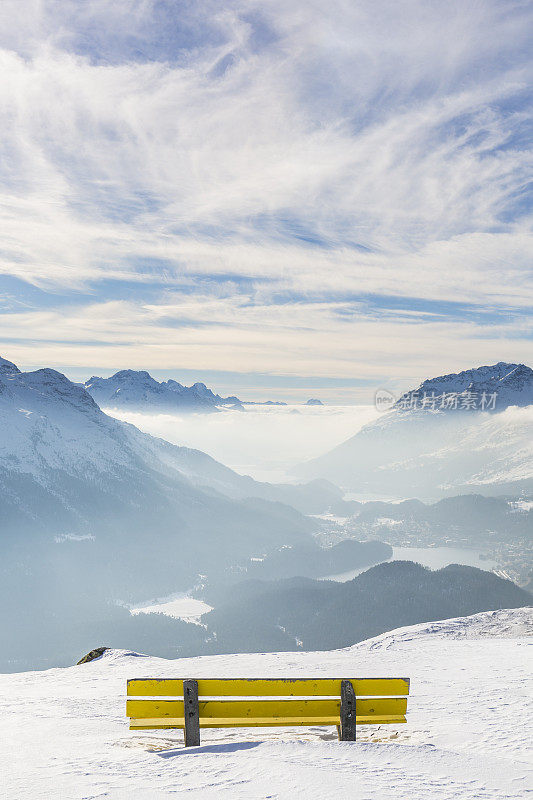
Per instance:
x=94, y=510
x=71, y=474
x=137, y=390
x=490, y=388
x=50, y=423
x=422, y=450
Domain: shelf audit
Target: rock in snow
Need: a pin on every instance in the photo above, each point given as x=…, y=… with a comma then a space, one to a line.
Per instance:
x=65, y=734
x=92, y=655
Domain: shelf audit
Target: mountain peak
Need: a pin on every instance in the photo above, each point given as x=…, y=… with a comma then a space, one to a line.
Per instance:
x=137, y=389
x=7, y=367
x=487, y=388
x=132, y=374
x=56, y=386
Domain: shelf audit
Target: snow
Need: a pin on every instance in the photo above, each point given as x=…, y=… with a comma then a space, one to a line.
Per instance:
x=50, y=423
x=521, y=505
x=8, y=367
x=180, y=606
x=65, y=734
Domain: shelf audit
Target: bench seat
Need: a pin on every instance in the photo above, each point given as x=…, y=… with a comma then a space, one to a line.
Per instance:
x=259, y=722
x=265, y=702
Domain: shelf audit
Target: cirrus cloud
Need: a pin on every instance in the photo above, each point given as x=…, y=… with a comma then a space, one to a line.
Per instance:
x=282, y=170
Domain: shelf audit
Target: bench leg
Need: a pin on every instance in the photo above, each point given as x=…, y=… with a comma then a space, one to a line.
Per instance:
x=348, y=712
x=191, y=713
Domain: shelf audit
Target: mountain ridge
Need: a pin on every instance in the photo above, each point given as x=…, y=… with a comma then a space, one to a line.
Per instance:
x=47, y=401
x=324, y=615
x=137, y=389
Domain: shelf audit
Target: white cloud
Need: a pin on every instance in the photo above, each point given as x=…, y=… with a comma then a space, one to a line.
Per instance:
x=325, y=340
x=268, y=142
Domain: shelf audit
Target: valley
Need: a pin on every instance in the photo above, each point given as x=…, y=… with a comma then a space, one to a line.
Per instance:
x=498, y=529
x=98, y=516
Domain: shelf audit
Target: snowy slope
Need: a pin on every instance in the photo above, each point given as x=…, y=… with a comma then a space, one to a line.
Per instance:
x=136, y=389
x=429, y=452
x=467, y=737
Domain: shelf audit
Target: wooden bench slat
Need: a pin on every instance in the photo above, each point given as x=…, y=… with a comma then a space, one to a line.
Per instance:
x=268, y=687
x=261, y=722
x=251, y=708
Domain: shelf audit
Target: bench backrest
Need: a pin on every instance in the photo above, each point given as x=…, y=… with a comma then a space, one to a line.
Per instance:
x=256, y=702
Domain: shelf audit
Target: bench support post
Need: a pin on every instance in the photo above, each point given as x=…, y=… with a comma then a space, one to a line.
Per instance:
x=191, y=713
x=348, y=711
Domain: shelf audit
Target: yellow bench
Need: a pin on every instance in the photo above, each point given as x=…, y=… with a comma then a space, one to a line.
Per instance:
x=265, y=702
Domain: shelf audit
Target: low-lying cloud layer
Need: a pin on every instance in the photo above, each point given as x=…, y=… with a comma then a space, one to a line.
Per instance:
x=263, y=441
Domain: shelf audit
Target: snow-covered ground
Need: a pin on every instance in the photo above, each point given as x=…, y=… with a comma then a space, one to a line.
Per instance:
x=180, y=606
x=65, y=735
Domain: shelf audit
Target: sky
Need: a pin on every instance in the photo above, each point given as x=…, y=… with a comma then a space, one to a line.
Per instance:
x=284, y=198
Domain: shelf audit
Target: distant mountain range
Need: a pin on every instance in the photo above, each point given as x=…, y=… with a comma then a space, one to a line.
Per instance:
x=469, y=432
x=305, y=614
x=138, y=391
